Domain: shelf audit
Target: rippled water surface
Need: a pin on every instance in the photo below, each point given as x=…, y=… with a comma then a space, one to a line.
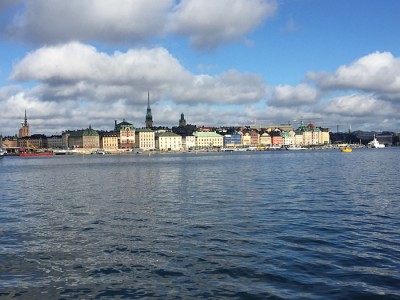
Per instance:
x=277, y=225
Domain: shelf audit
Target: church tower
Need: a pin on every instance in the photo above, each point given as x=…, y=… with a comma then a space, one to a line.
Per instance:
x=24, y=129
x=182, y=121
x=149, y=117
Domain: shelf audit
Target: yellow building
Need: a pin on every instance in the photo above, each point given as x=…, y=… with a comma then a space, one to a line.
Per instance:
x=109, y=140
x=145, y=139
x=205, y=140
x=246, y=139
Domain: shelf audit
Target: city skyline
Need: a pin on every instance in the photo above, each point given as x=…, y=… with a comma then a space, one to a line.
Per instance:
x=221, y=63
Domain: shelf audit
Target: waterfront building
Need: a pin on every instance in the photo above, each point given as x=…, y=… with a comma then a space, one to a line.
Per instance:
x=298, y=138
x=109, y=140
x=24, y=129
x=324, y=136
x=204, y=140
x=232, y=140
x=9, y=142
x=265, y=139
x=145, y=139
x=149, y=116
x=65, y=138
x=126, y=134
x=246, y=139
x=86, y=139
x=311, y=135
x=168, y=141
x=188, y=142
x=315, y=133
x=254, y=138
x=276, y=137
x=288, y=138
x=35, y=141
x=55, y=142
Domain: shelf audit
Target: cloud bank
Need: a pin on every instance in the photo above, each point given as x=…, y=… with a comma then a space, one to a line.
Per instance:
x=377, y=73
x=75, y=79
x=207, y=23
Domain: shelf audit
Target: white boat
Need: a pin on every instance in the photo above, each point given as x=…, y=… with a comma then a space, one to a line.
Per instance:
x=2, y=153
x=295, y=147
x=375, y=144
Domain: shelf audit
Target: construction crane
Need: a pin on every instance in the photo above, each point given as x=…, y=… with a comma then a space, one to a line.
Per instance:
x=30, y=145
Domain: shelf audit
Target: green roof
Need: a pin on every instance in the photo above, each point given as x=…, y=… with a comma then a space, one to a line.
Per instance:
x=85, y=132
x=206, y=134
x=166, y=134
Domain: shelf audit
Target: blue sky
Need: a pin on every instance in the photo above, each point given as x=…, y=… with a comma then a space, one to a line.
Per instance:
x=75, y=63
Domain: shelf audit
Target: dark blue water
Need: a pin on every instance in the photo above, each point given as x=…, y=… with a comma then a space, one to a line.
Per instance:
x=276, y=225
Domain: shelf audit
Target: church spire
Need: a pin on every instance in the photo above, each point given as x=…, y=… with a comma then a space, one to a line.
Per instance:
x=26, y=119
x=149, y=117
x=24, y=130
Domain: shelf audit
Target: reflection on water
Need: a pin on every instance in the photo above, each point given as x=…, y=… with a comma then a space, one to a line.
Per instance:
x=314, y=224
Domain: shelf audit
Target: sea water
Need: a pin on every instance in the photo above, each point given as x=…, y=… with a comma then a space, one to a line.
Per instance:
x=248, y=225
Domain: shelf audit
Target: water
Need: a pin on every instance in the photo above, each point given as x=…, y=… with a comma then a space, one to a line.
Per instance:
x=251, y=225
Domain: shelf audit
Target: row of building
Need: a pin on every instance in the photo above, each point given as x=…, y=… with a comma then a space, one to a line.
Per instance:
x=184, y=137
x=125, y=136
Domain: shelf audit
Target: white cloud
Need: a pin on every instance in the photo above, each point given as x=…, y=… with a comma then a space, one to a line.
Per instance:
x=378, y=73
x=76, y=62
x=78, y=71
x=209, y=23
x=358, y=105
x=362, y=111
x=206, y=23
x=76, y=85
x=286, y=95
x=89, y=20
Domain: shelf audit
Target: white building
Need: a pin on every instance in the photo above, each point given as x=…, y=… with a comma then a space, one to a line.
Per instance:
x=188, y=142
x=168, y=141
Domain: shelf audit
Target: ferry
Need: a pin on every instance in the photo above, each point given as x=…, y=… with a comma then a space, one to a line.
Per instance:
x=375, y=144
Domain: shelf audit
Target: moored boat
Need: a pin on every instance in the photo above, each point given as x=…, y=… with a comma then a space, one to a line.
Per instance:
x=2, y=153
x=34, y=153
x=375, y=144
x=346, y=149
x=295, y=147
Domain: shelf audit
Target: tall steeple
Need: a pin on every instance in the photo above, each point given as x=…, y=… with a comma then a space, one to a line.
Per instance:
x=26, y=119
x=24, y=129
x=149, y=117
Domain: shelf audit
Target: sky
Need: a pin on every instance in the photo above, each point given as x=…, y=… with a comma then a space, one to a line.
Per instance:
x=74, y=64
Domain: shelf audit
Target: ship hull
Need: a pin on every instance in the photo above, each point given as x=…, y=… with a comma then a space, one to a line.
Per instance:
x=36, y=154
